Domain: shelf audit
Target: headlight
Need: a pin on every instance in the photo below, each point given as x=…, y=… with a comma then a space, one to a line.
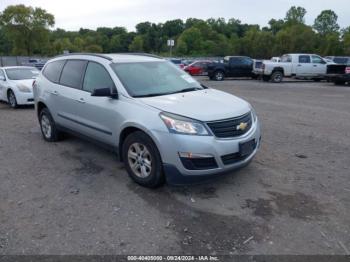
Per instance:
x=182, y=125
x=23, y=88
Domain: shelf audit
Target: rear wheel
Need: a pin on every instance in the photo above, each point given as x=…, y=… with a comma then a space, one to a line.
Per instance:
x=48, y=126
x=219, y=75
x=277, y=77
x=11, y=98
x=142, y=160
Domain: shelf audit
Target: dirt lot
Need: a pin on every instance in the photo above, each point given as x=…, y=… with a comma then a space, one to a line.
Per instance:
x=73, y=197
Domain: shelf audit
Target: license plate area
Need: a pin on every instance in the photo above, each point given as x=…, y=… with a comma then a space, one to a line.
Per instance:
x=247, y=148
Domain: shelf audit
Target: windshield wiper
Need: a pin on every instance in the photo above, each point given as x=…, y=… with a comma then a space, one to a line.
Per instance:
x=190, y=89
x=153, y=94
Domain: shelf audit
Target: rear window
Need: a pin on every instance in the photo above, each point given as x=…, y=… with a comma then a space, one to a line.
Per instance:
x=72, y=73
x=341, y=60
x=53, y=70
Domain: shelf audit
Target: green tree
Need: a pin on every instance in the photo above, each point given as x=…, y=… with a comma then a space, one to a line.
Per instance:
x=94, y=49
x=137, y=44
x=27, y=27
x=295, y=15
x=192, y=37
x=326, y=22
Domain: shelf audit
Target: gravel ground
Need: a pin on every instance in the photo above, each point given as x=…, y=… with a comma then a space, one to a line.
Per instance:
x=73, y=197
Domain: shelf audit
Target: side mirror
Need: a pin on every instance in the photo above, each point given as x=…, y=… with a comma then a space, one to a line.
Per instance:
x=2, y=78
x=105, y=92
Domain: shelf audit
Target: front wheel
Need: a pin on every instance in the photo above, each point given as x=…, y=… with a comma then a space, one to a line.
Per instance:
x=142, y=160
x=277, y=77
x=219, y=76
x=11, y=97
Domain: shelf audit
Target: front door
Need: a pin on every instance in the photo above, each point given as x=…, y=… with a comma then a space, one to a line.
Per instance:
x=98, y=115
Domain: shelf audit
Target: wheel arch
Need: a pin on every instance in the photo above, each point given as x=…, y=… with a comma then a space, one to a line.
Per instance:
x=129, y=129
x=278, y=69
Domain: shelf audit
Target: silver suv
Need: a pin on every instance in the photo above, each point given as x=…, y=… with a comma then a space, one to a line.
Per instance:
x=163, y=124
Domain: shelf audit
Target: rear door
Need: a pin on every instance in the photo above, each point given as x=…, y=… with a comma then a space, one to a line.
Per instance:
x=319, y=65
x=235, y=69
x=304, y=66
x=70, y=85
x=247, y=66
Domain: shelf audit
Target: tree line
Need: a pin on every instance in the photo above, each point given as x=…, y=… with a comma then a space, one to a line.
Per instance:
x=25, y=30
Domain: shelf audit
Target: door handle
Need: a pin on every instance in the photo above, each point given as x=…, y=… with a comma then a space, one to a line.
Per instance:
x=315, y=65
x=55, y=93
x=81, y=100
x=299, y=65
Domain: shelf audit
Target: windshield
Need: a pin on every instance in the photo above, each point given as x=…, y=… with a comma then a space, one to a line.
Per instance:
x=22, y=73
x=154, y=78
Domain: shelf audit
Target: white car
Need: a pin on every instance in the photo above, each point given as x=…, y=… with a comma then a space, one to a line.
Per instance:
x=301, y=66
x=16, y=85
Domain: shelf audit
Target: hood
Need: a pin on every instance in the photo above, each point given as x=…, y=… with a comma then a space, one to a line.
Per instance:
x=26, y=82
x=204, y=105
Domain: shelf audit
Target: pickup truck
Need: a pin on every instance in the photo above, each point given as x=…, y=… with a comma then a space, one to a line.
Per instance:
x=232, y=66
x=339, y=74
x=302, y=66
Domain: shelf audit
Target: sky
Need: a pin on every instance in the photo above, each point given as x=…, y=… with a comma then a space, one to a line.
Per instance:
x=74, y=14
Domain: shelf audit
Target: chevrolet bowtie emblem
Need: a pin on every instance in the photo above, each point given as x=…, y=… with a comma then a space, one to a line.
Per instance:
x=242, y=126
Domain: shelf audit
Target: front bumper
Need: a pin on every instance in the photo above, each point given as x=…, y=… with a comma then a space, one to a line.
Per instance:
x=170, y=145
x=24, y=98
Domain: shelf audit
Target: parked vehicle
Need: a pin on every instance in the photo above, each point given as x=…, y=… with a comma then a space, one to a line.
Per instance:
x=276, y=59
x=233, y=66
x=339, y=74
x=197, y=68
x=154, y=120
x=305, y=66
x=38, y=63
x=16, y=85
x=342, y=60
x=177, y=62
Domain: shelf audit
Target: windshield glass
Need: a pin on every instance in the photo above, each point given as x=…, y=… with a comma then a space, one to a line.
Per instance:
x=154, y=78
x=22, y=73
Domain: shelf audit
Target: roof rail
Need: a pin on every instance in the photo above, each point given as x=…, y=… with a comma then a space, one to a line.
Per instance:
x=141, y=54
x=92, y=54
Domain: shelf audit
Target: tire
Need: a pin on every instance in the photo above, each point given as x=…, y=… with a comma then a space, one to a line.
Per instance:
x=48, y=126
x=219, y=75
x=11, y=98
x=339, y=83
x=316, y=79
x=277, y=77
x=255, y=77
x=142, y=160
x=266, y=78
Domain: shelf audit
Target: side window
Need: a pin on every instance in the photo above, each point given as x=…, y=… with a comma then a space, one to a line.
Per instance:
x=235, y=61
x=96, y=77
x=72, y=73
x=304, y=59
x=317, y=60
x=286, y=59
x=247, y=61
x=52, y=71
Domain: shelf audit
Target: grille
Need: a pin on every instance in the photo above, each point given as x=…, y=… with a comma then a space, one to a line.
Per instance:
x=228, y=128
x=199, y=163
